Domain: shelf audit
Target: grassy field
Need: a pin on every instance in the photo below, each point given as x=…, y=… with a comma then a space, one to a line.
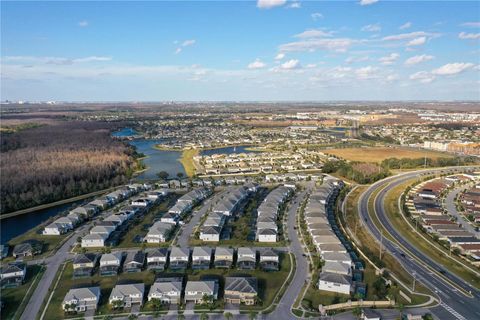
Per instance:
x=378, y=154
x=269, y=284
x=13, y=297
x=187, y=161
x=391, y=206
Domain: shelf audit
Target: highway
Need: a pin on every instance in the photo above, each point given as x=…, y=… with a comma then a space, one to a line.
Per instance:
x=453, y=304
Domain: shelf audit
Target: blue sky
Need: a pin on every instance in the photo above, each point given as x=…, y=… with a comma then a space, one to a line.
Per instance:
x=240, y=50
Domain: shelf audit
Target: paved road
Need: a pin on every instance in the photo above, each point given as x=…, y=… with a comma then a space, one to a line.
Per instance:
x=52, y=263
x=454, y=304
x=449, y=204
x=187, y=229
x=283, y=310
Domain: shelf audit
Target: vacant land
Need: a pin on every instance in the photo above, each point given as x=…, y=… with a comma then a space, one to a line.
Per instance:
x=187, y=161
x=379, y=154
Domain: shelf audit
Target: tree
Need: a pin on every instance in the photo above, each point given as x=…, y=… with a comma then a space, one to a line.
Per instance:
x=228, y=315
x=132, y=317
x=117, y=304
x=252, y=315
x=204, y=316
x=156, y=303
x=357, y=312
x=180, y=317
x=163, y=175
x=180, y=175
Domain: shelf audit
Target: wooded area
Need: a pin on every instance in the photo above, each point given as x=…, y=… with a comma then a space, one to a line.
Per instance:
x=61, y=160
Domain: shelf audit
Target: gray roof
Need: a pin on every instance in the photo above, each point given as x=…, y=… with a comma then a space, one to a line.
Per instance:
x=202, y=251
x=157, y=252
x=223, y=251
x=161, y=287
x=179, y=252
x=200, y=286
x=335, y=278
x=84, y=258
x=81, y=294
x=241, y=284
x=122, y=290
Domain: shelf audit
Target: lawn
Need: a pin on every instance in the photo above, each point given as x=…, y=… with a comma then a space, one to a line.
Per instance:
x=13, y=297
x=187, y=161
x=269, y=284
x=378, y=154
x=141, y=226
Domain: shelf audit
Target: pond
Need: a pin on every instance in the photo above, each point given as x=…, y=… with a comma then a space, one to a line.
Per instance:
x=227, y=150
x=125, y=132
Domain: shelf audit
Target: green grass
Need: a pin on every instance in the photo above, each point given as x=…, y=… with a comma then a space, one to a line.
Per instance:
x=13, y=297
x=269, y=284
x=140, y=227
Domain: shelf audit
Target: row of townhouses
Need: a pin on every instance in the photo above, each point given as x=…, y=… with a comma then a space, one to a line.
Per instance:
x=268, y=213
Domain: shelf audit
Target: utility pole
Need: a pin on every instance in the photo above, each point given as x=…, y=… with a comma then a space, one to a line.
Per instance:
x=414, y=278
x=381, y=244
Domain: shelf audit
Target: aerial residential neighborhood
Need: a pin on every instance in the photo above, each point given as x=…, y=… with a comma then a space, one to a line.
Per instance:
x=260, y=160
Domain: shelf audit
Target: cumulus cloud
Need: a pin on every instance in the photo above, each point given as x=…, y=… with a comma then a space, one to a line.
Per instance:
x=372, y=28
x=471, y=24
x=257, y=64
x=406, y=25
x=83, y=23
x=291, y=64
x=407, y=36
x=452, y=68
x=422, y=76
x=471, y=36
x=186, y=43
x=280, y=56
x=391, y=77
x=350, y=60
x=366, y=73
x=417, y=41
x=268, y=4
x=367, y=2
x=316, y=15
x=390, y=59
x=312, y=45
x=418, y=59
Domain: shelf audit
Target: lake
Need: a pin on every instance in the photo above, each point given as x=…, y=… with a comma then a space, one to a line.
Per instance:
x=125, y=132
x=15, y=226
x=157, y=160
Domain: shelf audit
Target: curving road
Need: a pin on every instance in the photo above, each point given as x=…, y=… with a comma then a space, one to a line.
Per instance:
x=453, y=303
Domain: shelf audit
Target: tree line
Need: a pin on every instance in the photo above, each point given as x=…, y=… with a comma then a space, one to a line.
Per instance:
x=62, y=160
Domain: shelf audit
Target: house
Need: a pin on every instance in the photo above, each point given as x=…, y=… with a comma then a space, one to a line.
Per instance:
x=338, y=257
x=167, y=290
x=142, y=202
x=334, y=282
x=241, y=290
x=13, y=274
x=134, y=261
x=110, y=263
x=179, y=258
x=223, y=257
x=196, y=290
x=210, y=233
x=68, y=222
x=269, y=260
x=85, y=211
x=55, y=229
x=267, y=235
x=157, y=259
x=4, y=250
x=159, y=232
x=81, y=299
x=336, y=267
x=370, y=314
x=246, y=258
x=103, y=230
x=84, y=264
x=101, y=204
x=126, y=295
x=201, y=258
x=94, y=240
x=27, y=249
x=169, y=217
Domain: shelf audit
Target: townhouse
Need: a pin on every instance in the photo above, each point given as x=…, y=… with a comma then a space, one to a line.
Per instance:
x=167, y=290
x=81, y=299
x=201, y=258
x=267, y=214
x=157, y=259
x=126, y=295
x=241, y=290
x=196, y=290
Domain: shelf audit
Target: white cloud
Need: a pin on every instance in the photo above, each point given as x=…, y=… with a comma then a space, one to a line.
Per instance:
x=367, y=2
x=291, y=64
x=407, y=36
x=268, y=4
x=350, y=60
x=187, y=43
x=83, y=23
x=316, y=16
x=417, y=41
x=178, y=50
x=294, y=5
x=311, y=66
x=418, y=59
x=372, y=27
x=280, y=56
x=390, y=59
x=55, y=60
x=422, y=76
x=471, y=24
x=257, y=64
x=464, y=35
x=366, y=73
x=311, y=45
x=391, y=77
x=452, y=68
x=406, y=25
x=313, y=33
